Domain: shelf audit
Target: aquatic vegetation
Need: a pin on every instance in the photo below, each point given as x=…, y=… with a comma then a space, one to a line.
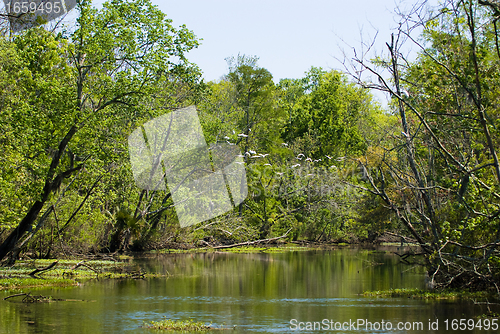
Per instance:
x=425, y=294
x=178, y=325
x=12, y=283
x=65, y=273
x=260, y=249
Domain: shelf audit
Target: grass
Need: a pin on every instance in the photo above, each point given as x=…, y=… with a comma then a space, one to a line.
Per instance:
x=431, y=295
x=62, y=275
x=15, y=283
x=178, y=325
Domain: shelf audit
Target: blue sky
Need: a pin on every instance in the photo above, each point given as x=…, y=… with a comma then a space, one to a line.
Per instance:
x=288, y=36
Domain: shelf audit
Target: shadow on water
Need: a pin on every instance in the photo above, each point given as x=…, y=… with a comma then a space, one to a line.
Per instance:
x=254, y=292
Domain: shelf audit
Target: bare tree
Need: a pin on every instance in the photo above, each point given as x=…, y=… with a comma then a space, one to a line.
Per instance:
x=439, y=172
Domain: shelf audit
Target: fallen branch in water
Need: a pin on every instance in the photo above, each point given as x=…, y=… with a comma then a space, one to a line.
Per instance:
x=253, y=242
x=50, y=266
x=408, y=240
x=29, y=298
x=83, y=264
x=16, y=295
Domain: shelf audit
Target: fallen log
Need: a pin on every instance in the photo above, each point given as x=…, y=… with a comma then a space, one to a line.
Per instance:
x=50, y=266
x=83, y=264
x=408, y=240
x=253, y=242
x=29, y=298
x=16, y=295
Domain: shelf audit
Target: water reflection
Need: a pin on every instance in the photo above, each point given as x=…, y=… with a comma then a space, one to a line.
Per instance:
x=255, y=292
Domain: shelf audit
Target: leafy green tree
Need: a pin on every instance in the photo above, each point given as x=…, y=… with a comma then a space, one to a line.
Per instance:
x=242, y=110
x=75, y=85
x=328, y=110
x=255, y=96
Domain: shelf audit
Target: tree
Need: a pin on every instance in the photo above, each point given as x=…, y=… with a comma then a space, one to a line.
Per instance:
x=254, y=95
x=326, y=108
x=107, y=68
x=440, y=174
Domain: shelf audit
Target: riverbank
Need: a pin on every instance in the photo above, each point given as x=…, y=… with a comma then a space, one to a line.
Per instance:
x=275, y=247
x=63, y=273
x=73, y=272
x=40, y=273
x=36, y=273
x=431, y=295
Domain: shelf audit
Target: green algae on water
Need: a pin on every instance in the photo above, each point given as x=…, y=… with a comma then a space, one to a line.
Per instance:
x=178, y=325
x=425, y=294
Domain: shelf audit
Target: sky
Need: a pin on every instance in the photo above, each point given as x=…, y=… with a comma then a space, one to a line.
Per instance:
x=288, y=36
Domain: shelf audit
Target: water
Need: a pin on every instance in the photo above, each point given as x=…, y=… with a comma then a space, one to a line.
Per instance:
x=257, y=293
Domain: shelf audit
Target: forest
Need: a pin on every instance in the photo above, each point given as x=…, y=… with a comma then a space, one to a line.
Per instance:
x=324, y=161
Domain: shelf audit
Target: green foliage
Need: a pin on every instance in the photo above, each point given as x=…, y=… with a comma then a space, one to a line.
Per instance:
x=280, y=130
x=425, y=294
x=178, y=325
x=73, y=102
x=34, y=111
x=329, y=110
x=446, y=83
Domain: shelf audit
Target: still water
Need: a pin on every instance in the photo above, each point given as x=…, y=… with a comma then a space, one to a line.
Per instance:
x=257, y=293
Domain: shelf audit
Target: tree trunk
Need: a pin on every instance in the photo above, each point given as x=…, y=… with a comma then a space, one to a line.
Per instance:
x=21, y=229
x=51, y=184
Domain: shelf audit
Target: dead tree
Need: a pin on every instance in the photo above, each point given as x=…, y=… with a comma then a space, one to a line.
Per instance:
x=443, y=193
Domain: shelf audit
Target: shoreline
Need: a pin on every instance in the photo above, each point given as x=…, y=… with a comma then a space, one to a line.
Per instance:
x=73, y=272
